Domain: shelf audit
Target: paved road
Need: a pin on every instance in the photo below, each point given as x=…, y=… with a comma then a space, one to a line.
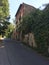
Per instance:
x=15, y=53
x=3, y=55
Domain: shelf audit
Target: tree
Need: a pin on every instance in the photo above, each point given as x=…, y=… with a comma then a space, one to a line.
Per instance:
x=4, y=9
x=9, y=31
x=4, y=13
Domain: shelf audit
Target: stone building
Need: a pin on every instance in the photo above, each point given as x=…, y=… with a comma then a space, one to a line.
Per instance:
x=23, y=10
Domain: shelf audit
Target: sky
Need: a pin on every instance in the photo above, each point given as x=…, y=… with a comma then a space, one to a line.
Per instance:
x=14, y=5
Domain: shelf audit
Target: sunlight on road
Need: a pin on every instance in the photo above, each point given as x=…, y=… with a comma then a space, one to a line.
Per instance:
x=2, y=46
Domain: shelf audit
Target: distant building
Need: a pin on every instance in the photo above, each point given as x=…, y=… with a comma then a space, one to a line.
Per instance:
x=23, y=10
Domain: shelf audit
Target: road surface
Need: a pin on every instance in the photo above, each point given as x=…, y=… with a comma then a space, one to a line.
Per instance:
x=15, y=53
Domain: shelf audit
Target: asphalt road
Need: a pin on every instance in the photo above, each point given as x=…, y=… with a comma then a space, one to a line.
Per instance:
x=15, y=53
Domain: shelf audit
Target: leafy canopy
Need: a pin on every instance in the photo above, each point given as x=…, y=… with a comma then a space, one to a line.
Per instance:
x=4, y=16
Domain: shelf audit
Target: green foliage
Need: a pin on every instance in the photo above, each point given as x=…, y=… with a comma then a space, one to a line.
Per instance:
x=3, y=27
x=41, y=31
x=4, y=13
x=9, y=30
x=30, y=21
x=4, y=9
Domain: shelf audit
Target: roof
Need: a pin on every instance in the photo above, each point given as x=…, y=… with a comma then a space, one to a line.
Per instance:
x=24, y=5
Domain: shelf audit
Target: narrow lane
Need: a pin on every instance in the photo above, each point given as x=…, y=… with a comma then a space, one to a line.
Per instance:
x=19, y=54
